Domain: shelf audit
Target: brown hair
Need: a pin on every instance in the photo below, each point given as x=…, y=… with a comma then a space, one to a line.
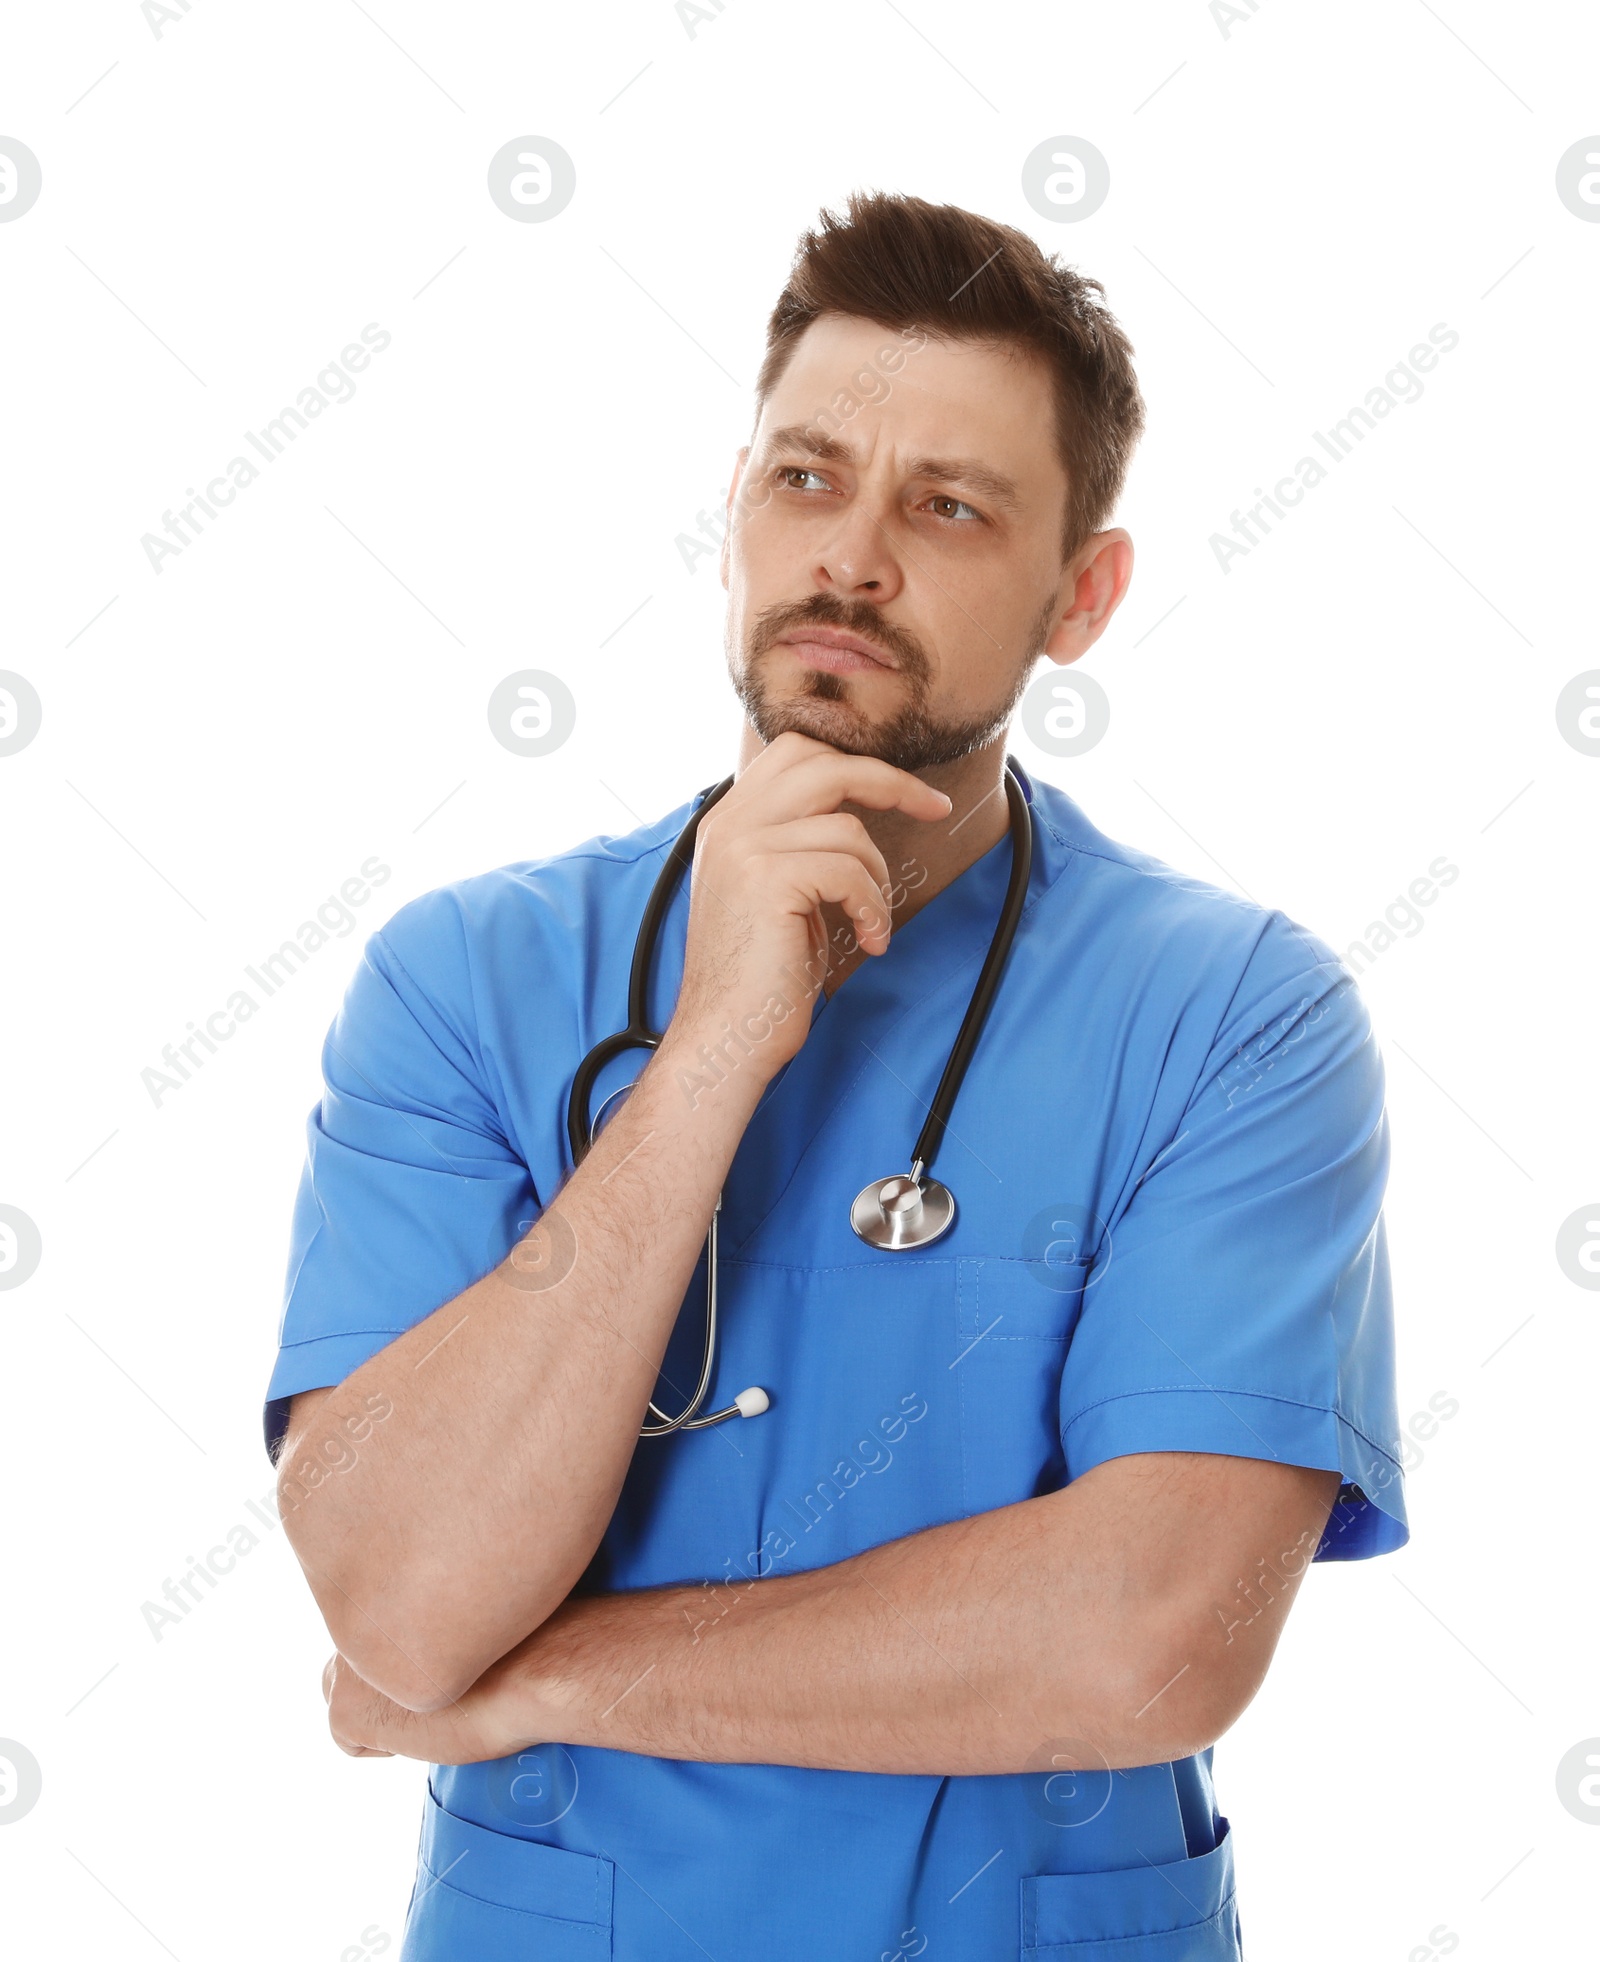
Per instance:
x=908, y=264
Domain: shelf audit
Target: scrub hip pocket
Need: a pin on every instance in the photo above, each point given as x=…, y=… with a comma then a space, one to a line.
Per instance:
x=1183, y=1911
x=491, y=1897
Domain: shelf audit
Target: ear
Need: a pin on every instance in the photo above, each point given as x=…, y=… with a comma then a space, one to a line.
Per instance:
x=739, y=463
x=1092, y=588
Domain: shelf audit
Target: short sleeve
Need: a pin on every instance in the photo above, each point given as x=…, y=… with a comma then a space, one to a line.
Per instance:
x=410, y=1190
x=1240, y=1301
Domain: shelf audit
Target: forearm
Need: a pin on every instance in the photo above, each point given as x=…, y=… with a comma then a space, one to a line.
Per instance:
x=970, y=1648
x=1125, y=1620
x=457, y=1523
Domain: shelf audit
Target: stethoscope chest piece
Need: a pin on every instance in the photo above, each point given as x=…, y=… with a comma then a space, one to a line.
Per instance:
x=903, y=1212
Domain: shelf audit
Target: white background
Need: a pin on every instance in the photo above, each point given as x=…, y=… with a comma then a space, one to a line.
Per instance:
x=1293, y=205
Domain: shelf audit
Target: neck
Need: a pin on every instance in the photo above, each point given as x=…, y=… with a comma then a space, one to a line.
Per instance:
x=922, y=858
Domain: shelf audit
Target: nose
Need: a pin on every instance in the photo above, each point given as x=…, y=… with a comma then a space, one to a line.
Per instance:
x=858, y=560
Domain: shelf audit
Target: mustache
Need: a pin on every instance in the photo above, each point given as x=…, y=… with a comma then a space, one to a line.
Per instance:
x=849, y=616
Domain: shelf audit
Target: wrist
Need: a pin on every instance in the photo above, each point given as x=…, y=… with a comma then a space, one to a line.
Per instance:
x=535, y=1693
x=564, y=1683
x=731, y=1058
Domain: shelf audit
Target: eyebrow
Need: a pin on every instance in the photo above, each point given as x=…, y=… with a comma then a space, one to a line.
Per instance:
x=967, y=470
x=798, y=437
x=942, y=469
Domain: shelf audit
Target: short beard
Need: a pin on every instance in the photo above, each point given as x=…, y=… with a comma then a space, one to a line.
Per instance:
x=913, y=738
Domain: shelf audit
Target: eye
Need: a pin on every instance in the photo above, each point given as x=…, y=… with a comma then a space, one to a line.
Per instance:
x=953, y=508
x=789, y=471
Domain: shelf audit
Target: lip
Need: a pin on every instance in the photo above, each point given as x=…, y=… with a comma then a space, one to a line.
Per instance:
x=840, y=653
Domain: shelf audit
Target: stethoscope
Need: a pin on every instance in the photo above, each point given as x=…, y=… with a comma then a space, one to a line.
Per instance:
x=898, y=1214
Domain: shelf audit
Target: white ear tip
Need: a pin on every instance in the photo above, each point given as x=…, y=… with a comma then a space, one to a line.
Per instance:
x=751, y=1403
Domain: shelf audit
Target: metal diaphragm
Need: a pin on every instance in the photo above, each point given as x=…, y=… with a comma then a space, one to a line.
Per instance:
x=899, y=1213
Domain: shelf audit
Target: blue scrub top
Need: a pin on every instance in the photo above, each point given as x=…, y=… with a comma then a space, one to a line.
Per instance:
x=1169, y=1158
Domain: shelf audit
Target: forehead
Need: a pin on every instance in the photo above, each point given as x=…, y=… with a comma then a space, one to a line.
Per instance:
x=861, y=384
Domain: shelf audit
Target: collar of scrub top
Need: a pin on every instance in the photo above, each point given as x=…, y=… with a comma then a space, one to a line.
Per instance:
x=637, y=1034
x=910, y=1209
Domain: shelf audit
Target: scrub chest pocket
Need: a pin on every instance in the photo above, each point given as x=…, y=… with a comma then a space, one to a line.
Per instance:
x=1014, y=1324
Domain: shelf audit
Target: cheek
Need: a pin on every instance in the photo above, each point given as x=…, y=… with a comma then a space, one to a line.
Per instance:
x=766, y=566
x=972, y=635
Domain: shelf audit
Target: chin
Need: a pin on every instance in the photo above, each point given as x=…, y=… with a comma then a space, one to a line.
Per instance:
x=834, y=723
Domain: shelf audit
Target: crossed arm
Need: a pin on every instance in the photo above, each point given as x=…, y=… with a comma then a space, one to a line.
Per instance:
x=1134, y=1611
x=1127, y=1619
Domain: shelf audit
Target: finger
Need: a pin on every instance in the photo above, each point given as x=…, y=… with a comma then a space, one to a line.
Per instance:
x=829, y=778
x=817, y=878
x=353, y=1750
x=349, y=1733
x=802, y=783
x=837, y=832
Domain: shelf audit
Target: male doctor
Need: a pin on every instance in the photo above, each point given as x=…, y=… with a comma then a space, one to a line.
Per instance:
x=931, y=1656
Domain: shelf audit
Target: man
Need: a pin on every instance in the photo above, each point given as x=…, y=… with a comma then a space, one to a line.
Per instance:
x=931, y=1655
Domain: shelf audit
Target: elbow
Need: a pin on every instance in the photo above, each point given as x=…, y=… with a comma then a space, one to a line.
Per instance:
x=373, y=1622
x=424, y=1664
x=399, y=1631
x=1146, y=1704
x=416, y=1664
x=422, y=1661
x=406, y=1649
x=409, y=1626
x=422, y=1687
x=1174, y=1704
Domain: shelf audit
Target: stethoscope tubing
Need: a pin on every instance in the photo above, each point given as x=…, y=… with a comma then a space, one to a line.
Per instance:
x=638, y=1034
x=976, y=1018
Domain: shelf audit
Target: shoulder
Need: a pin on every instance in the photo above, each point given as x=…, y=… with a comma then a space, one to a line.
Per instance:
x=1195, y=944
x=441, y=944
